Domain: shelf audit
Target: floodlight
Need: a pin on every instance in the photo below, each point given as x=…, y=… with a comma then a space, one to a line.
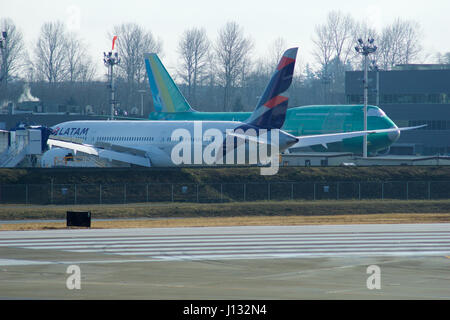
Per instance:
x=365, y=49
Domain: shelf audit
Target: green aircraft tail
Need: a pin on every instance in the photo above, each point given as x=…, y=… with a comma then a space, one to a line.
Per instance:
x=165, y=93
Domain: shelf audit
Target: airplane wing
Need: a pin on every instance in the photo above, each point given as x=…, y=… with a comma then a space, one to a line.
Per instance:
x=105, y=150
x=324, y=139
x=401, y=129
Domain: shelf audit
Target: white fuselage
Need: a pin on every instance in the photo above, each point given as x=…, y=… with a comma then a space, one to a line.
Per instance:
x=134, y=133
x=157, y=138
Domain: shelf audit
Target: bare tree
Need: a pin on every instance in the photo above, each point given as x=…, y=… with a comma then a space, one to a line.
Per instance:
x=79, y=64
x=51, y=52
x=74, y=56
x=193, y=48
x=334, y=39
x=323, y=50
x=364, y=31
x=211, y=69
x=399, y=43
x=333, y=50
x=341, y=28
x=442, y=58
x=232, y=48
x=13, y=54
x=132, y=42
x=276, y=50
x=87, y=70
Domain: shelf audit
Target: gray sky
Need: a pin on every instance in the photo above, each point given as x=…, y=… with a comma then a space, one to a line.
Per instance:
x=262, y=20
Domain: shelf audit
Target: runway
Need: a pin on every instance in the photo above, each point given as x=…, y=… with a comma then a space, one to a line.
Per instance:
x=275, y=254
x=183, y=244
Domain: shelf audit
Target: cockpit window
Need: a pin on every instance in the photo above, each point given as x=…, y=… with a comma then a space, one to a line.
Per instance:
x=375, y=112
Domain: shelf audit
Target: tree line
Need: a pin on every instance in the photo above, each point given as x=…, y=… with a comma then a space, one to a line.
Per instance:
x=221, y=74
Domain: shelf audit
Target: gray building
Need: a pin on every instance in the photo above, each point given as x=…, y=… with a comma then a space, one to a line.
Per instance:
x=8, y=121
x=410, y=95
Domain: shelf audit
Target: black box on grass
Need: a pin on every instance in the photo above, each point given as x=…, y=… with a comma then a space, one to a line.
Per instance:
x=78, y=219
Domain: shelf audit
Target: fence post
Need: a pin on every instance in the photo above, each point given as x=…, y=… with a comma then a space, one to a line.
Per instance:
x=382, y=191
x=100, y=198
x=221, y=193
x=268, y=191
x=124, y=193
x=197, y=192
x=51, y=191
x=407, y=190
x=146, y=188
x=359, y=190
x=314, y=191
x=75, y=194
x=337, y=190
x=292, y=191
x=172, y=193
x=245, y=191
x=26, y=194
x=429, y=190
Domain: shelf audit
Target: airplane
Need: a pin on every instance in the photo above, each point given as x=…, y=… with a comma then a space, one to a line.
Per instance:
x=170, y=104
x=153, y=143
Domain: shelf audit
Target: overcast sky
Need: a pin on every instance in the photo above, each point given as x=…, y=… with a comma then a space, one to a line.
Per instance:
x=263, y=20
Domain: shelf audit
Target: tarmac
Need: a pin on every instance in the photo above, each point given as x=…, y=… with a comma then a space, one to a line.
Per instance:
x=228, y=263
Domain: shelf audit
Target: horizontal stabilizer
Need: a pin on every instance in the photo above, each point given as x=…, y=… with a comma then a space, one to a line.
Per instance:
x=247, y=137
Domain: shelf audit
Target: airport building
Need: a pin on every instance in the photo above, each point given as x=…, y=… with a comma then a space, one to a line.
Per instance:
x=411, y=95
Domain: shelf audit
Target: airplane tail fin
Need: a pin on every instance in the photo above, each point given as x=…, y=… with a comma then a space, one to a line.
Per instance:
x=270, y=112
x=165, y=93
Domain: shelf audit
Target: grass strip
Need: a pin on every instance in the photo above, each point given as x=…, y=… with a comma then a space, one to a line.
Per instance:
x=245, y=221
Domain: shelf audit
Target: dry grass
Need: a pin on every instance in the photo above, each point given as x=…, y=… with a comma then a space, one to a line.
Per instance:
x=160, y=215
x=233, y=209
x=246, y=221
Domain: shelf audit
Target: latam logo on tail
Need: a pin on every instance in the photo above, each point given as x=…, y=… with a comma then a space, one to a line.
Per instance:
x=70, y=131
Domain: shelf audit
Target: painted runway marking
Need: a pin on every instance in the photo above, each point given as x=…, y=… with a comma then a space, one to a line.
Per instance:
x=175, y=247
x=17, y=262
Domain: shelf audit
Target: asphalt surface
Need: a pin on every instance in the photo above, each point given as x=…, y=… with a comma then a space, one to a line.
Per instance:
x=270, y=262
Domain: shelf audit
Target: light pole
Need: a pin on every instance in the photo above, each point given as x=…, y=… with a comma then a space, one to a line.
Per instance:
x=326, y=81
x=374, y=67
x=365, y=48
x=142, y=92
x=3, y=48
x=110, y=60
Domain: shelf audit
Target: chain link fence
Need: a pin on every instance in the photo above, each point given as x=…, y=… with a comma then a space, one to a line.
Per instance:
x=44, y=194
